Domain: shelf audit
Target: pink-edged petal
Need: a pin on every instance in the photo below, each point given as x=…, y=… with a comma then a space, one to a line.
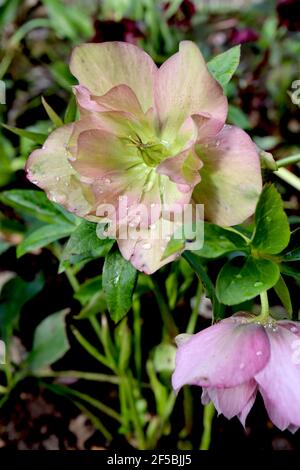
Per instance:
x=49, y=168
x=230, y=178
x=247, y=408
x=86, y=101
x=100, y=152
x=145, y=253
x=279, y=381
x=233, y=401
x=226, y=354
x=185, y=87
x=207, y=126
x=183, y=168
x=100, y=67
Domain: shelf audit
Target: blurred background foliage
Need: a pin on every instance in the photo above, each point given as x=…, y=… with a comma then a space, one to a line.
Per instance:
x=110, y=400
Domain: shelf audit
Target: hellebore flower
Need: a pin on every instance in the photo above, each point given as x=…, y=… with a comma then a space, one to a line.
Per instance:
x=235, y=358
x=289, y=14
x=125, y=30
x=242, y=36
x=153, y=136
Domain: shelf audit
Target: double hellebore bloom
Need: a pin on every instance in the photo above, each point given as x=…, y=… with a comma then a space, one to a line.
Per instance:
x=155, y=137
x=237, y=357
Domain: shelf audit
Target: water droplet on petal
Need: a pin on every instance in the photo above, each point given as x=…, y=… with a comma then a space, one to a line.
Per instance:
x=294, y=329
x=146, y=246
x=242, y=365
x=258, y=353
x=107, y=180
x=57, y=178
x=258, y=284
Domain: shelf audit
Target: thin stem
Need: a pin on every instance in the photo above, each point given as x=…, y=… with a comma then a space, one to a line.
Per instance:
x=90, y=349
x=69, y=392
x=136, y=307
x=164, y=309
x=195, y=312
x=134, y=413
x=72, y=279
x=95, y=421
x=288, y=177
x=78, y=374
x=208, y=416
x=264, y=315
x=288, y=160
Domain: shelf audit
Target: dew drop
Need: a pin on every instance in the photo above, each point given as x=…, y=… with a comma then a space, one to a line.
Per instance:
x=146, y=246
x=258, y=284
x=238, y=276
x=107, y=180
x=242, y=365
x=217, y=143
x=258, y=353
x=294, y=329
x=57, y=178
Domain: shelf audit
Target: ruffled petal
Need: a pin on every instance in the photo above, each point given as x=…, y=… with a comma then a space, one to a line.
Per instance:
x=50, y=169
x=226, y=354
x=279, y=381
x=230, y=178
x=100, y=67
x=233, y=401
x=185, y=87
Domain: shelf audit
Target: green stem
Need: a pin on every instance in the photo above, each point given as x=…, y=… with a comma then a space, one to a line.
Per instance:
x=134, y=413
x=96, y=421
x=77, y=374
x=195, y=313
x=90, y=349
x=208, y=415
x=288, y=177
x=167, y=318
x=264, y=315
x=69, y=392
x=288, y=160
x=137, y=331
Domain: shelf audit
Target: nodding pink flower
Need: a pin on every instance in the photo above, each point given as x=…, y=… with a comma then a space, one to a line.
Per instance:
x=234, y=359
x=154, y=136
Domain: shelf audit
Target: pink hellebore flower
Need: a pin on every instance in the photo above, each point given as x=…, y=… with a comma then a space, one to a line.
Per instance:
x=234, y=359
x=153, y=135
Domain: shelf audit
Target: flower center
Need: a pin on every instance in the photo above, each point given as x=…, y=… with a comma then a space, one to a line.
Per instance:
x=152, y=152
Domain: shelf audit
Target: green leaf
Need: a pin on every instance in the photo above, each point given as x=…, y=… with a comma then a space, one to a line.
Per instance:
x=241, y=279
x=291, y=270
x=88, y=289
x=50, y=341
x=219, y=241
x=4, y=246
x=282, y=291
x=237, y=117
x=223, y=66
x=84, y=245
x=118, y=280
x=71, y=111
x=34, y=136
x=14, y=295
x=172, y=289
x=272, y=232
x=36, y=204
x=196, y=263
x=174, y=246
x=92, y=298
x=53, y=116
x=292, y=253
x=43, y=236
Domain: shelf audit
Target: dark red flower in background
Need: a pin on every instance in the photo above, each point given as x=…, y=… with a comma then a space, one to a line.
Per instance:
x=183, y=16
x=125, y=30
x=289, y=14
x=243, y=35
